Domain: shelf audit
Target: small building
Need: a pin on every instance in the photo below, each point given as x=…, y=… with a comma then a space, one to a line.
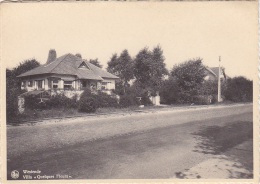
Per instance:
x=68, y=74
x=212, y=73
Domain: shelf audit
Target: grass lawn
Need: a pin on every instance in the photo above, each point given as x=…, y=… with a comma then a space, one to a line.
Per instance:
x=39, y=114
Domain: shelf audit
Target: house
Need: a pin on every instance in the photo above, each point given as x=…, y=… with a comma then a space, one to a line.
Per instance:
x=212, y=73
x=68, y=74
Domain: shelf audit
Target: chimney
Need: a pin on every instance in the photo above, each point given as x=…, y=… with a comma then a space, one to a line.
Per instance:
x=78, y=55
x=52, y=56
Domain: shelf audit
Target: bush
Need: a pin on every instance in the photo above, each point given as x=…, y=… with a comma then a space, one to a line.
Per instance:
x=128, y=100
x=145, y=100
x=87, y=104
x=239, y=89
x=105, y=100
x=60, y=100
x=169, y=92
x=102, y=99
x=203, y=99
x=55, y=101
x=12, y=104
x=32, y=102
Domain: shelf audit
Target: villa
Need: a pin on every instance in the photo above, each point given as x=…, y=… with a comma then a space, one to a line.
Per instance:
x=69, y=74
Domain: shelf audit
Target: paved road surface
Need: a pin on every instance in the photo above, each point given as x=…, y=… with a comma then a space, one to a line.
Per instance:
x=170, y=144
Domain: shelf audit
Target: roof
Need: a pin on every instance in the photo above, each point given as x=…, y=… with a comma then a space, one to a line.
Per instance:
x=214, y=71
x=68, y=64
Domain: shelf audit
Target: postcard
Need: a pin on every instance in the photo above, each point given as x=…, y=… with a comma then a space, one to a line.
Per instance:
x=129, y=92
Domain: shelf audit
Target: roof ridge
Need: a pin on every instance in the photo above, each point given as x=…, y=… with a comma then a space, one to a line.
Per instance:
x=66, y=55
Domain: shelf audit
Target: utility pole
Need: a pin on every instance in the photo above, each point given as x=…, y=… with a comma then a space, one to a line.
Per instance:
x=219, y=82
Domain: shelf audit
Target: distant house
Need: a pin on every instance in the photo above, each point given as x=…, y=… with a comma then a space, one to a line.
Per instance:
x=69, y=74
x=212, y=73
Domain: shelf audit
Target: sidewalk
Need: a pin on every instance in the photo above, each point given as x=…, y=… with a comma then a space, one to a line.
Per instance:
x=235, y=163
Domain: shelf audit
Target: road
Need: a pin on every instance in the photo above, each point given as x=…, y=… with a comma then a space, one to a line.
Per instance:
x=198, y=143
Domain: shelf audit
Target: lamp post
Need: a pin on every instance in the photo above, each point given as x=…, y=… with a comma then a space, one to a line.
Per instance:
x=219, y=82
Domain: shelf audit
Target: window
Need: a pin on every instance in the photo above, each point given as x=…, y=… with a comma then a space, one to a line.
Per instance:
x=93, y=86
x=39, y=84
x=105, y=85
x=84, y=84
x=30, y=83
x=83, y=65
x=23, y=84
x=67, y=85
x=55, y=84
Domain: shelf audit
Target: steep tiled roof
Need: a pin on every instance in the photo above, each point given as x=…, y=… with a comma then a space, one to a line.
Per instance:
x=69, y=64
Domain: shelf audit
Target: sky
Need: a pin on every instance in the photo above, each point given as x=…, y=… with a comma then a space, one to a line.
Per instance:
x=184, y=30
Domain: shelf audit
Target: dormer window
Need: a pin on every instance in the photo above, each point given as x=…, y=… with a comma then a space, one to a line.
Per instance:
x=84, y=65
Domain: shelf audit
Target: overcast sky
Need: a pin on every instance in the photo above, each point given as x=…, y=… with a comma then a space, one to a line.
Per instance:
x=184, y=30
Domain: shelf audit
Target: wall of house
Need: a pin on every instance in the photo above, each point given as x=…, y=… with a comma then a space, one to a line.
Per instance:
x=47, y=84
x=34, y=82
x=210, y=76
x=111, y=84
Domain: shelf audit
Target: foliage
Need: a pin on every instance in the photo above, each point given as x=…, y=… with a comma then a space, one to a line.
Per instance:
x=145, y=100
x=119, y=88
x=55, y=101
x=105, y=100
x=112, y=64
x=61, y=101
x=169, y=92
x=138, y=95
x=189, y=77
x=128, y=100
x=209, y=87
x=203, y=99
x=101, y=99
x=87, y=103
x=13, y=89
x=149, y=69
x=122, y=66
x=239, y=89
x=95, y=62
x=32, y=102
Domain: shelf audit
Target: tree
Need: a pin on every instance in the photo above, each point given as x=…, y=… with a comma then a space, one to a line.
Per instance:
x=189, y=77
x=122, y=66
x=13, y=88
x=150, y=69
x=169, y=92
x=239, y=89
x=112, y=64
x=95, y=62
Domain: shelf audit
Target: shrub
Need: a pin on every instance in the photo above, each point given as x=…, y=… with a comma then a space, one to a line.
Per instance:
x=32, y=102
x=105, y=100
x=87, y=104
x=60, y=100
x=145, y=100
x=128, y=100
x=169, y=92
x=203, y=99
x=55, y=101
x=239, y=89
